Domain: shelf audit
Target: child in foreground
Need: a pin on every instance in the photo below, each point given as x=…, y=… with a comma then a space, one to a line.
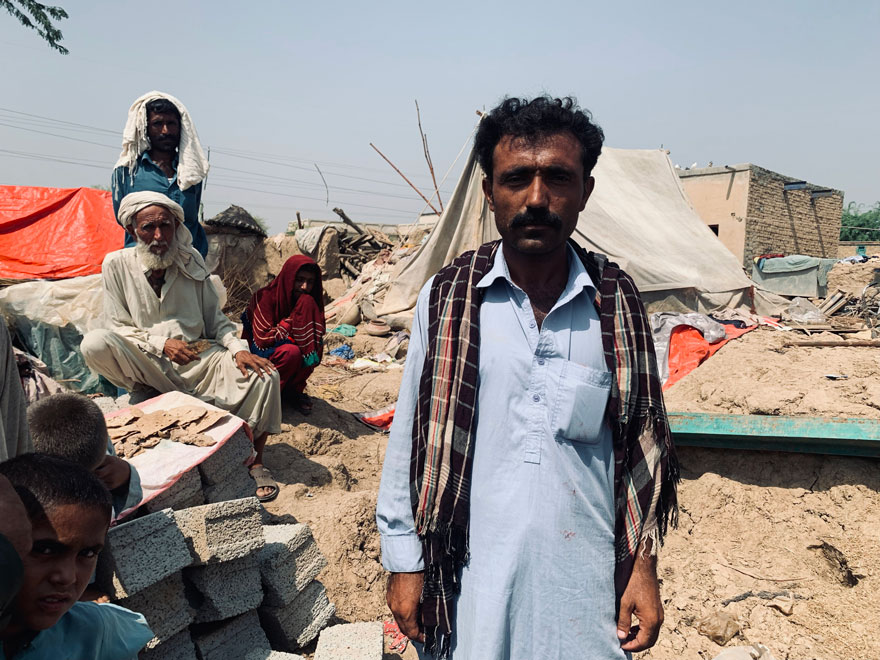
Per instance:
x=69, y=510
x=71, y=426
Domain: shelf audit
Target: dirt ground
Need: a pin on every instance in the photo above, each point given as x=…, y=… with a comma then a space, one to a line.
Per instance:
x=752, y=523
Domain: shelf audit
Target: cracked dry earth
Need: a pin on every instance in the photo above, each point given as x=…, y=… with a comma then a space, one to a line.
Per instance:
x=752, y=524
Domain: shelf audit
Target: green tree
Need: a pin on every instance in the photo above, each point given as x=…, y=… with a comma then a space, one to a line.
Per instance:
x=858, y=224
x=39, y=17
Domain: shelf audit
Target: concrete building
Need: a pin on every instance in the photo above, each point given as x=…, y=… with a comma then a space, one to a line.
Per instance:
x=755, y=211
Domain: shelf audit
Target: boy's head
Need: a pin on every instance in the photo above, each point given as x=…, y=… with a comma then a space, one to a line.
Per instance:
x=69, y=426
x=69, y=509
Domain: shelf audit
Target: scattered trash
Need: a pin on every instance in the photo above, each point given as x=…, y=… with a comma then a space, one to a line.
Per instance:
x=345, y=351
x=754, y=652
x=366, y=363
x=839, y=563
x=836, y=376
x=783, y=605
x=382, y=357
x=378, y=420
x=720, y=627
x=345, y=329
x=802, y=310
x=397, y=345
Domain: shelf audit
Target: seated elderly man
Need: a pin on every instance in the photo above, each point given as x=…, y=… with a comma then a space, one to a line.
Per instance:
x=157, y=302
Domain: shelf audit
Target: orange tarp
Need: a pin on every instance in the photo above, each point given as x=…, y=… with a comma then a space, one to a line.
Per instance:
x=688, y=349
x=53, y=233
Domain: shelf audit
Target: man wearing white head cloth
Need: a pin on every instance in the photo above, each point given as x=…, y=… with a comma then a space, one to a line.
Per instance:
x=161, y=152
x=157, y=302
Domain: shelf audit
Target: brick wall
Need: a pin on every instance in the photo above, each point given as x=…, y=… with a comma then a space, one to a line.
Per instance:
x=790, y=222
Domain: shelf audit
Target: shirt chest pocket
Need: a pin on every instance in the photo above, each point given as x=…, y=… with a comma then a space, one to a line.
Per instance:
x=581, y=398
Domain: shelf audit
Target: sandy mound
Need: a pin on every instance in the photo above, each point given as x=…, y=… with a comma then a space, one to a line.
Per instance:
x=749, y=520
x=756, y=375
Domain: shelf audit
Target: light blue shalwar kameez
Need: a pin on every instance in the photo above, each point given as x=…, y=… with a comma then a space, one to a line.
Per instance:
x=540, y=580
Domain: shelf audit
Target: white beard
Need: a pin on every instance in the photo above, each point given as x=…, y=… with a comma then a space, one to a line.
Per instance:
x=151, y=261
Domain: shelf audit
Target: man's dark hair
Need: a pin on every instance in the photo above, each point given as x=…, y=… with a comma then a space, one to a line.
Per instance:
x=45, y=482
x=535, y=120
x=162, y=107
x=70, y=426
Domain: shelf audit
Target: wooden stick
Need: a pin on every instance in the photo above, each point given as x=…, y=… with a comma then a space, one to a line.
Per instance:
x=428, y=156
x=351, y=223
x=821, y=342
x=761, y=577
x=427, y=201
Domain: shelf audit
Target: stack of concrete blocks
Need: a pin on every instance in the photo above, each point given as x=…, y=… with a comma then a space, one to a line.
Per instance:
x=295, y=607
x=140, y=569
x=352, y=641
x=198, y=577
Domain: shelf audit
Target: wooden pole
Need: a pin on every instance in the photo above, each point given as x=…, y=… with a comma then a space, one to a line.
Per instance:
x=427, y=201
x=823, y=342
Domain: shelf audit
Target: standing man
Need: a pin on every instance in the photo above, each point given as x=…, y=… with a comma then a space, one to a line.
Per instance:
x=161, y=153
x=158, y=305
x=530, y=474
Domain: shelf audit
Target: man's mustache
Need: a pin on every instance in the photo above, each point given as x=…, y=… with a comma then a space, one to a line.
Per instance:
x=532, y=217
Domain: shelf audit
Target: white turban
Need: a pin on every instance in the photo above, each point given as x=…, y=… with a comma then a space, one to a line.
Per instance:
x=192, y=166
x=187, y=258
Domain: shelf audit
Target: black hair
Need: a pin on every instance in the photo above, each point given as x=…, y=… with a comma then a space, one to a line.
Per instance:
x=70, y=426
x=162, y=107
x=534, y=120
x=44, y=482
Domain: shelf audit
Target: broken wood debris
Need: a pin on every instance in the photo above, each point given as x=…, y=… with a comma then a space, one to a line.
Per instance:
x=134, y=431
x=358, y=249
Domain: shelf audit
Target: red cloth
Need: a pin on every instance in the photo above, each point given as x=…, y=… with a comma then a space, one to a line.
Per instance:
x=688, y=349
x=275, y=318
x=55, y=233
x=288, y=359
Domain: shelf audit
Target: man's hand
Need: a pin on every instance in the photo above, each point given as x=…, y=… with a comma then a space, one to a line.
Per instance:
x=113, y=472
x=14, y=522
x=245, y=360
x=642, y=598
x=179, y=351
x=403, y=595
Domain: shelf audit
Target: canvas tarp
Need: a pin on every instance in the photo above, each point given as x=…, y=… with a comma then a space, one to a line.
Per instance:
x=53, y=233
x=638, y=215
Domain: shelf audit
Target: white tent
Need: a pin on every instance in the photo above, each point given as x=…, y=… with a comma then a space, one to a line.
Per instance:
x=638, y=215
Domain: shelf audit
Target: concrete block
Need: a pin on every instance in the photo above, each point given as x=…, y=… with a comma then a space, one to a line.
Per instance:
x=225, y=590
x=222, y=531
x=289, y=561
x=185, y=493
x=352, y=641
x=228, y=458
x=259, y=654
x=178, y=647
x=164, y=606
x=233, y=638
x=239, y=484
x=295, y=625
x=140, y=553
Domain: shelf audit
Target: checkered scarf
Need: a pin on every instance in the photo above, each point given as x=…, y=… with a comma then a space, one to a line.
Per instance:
x=646, y=469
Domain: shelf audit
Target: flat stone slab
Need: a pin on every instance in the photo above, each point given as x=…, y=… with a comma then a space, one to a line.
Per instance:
x=351, y=641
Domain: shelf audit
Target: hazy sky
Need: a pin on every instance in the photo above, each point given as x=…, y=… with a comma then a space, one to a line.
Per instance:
x=789, y=86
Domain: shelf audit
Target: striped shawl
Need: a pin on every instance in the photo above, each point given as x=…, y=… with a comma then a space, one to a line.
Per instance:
x=646, y=469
